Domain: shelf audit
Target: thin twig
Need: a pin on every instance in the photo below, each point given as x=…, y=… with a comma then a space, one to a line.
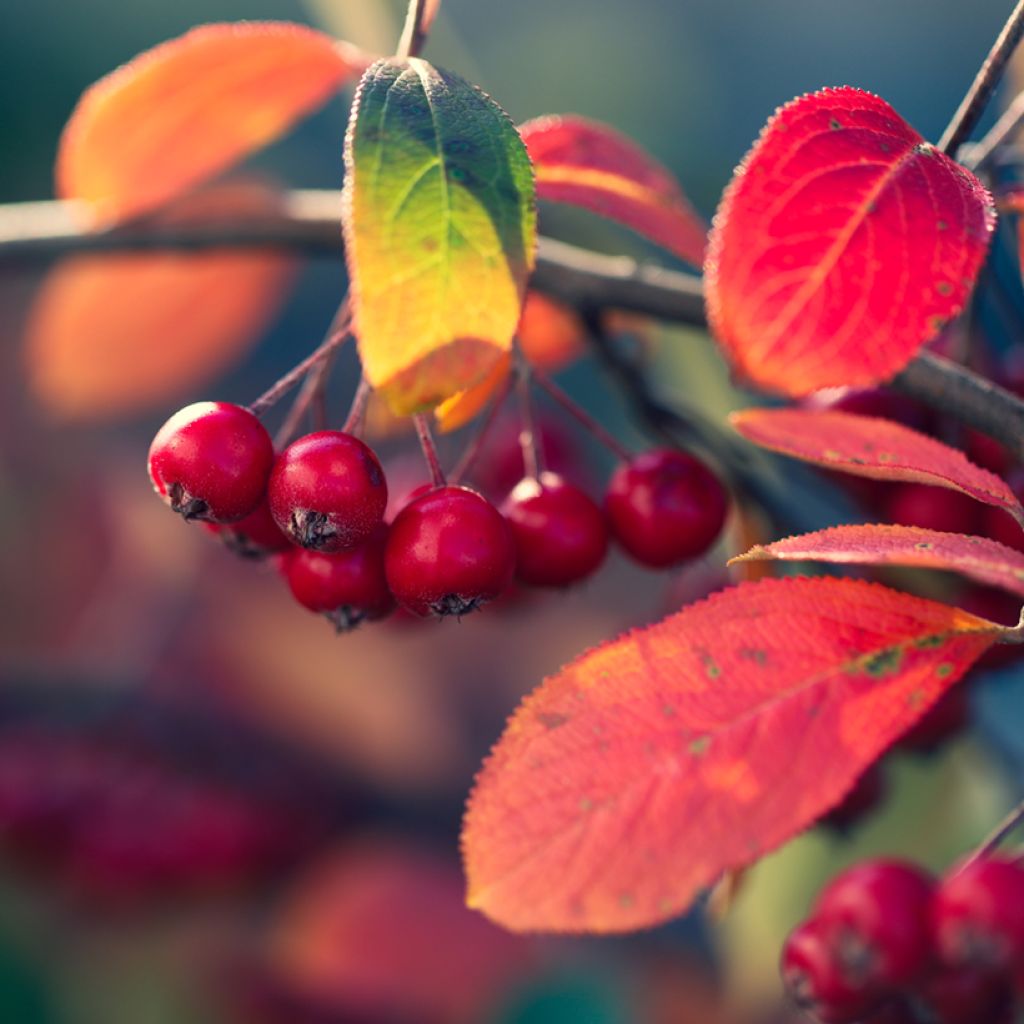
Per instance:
x=303, y=400
x=973, y=105
x=996, y=836
x=983, y=151
x=337, y=334
x=529, y=439
x=472, y=451
x=578, y=413
x=414, y=32
x=34, y=232
x=423, y=432
x=357, y=411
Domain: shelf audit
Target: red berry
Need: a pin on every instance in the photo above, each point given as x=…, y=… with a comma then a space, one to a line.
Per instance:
x=933, y=508
x=348, y=587
x=327, y=491
x=255, y=536
x=877, y=914
x=816, y=979
x=211, y=460
x=448, y=551
x=559, y=531
x=978, y=915
x=665, y=507
x=964, y=997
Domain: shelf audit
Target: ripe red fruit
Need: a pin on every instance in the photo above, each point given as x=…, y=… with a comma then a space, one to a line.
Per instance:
x=559, y=531
x=327, y=491
x=877, y=915
x=348, y=587
x=978, y=915
x=933, y=508
x=816, y=979
x=665, y=507
x=211, y=460
x=964, y=997
x=255, y=536
x=448, y=551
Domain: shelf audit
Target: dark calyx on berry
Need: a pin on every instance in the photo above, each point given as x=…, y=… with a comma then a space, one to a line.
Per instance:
x=254, y=537
x=211, y=461
x=448, y=552
x=665, y=507
x=560, y=532
x=348, y=587
x=327, y=491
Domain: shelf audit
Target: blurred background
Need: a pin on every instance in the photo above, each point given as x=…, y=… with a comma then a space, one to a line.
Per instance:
x=213, y=809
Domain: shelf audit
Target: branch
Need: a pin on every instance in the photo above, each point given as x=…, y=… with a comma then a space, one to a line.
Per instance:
x=32, y=233
x=984, y=83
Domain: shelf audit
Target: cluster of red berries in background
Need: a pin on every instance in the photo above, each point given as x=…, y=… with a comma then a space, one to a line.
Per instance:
x=319, y=505
x=888, y=944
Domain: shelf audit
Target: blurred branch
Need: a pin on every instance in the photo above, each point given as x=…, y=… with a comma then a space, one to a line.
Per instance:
x=309, y=224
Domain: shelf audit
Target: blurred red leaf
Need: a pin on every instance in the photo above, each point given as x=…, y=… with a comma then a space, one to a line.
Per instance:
x=381, y=927
x=651, y=765
x=192, y=106
x=114, y=335
x=872, y=447
x=588, y=164
x=843, y=244
x=983, y=560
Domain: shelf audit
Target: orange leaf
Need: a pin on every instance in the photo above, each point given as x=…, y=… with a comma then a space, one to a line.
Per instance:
x=191, y=107
x=649, y=766
x=843, y=244
x=115, y=335
x=380, y=927
x=872, y=447
x=588, y=164
x=551, y=335
x=457, y=411
x=983, y=560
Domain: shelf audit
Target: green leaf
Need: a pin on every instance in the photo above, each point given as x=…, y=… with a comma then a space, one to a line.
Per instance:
x=440, y=231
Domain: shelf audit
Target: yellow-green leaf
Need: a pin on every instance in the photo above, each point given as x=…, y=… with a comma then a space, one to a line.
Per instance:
x=440, y=231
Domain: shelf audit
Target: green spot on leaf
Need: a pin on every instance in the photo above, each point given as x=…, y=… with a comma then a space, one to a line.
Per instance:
x=699, y=746
x=884, y=663
x=944, y=670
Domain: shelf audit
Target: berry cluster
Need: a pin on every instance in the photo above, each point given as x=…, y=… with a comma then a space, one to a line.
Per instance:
x=887, y=944
x=319, y=506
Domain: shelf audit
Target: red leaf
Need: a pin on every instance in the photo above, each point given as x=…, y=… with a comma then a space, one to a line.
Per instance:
x=647, y=767
x=190, y=107
x=983, y=560
x=590, y=165
x=872, y=447
x=116, y=334
x=842, y=245
x=380, y=930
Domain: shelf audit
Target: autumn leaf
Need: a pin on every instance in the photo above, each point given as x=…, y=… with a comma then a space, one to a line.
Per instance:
x=114, y=335
x=984, y=561
x=872, y=447
x=551, y=335
x=191, y=107
x=649, y=766
x=379, y=926
x=842, y=245
x=440, y=231
x=588, y=164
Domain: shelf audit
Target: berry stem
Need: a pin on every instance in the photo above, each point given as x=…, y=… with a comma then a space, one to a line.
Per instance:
x=311, y=388
x=472, y=451
x=982, y=153
x=997, y=835
x=414, y=32
x=426, y=437
x=357, y=411
x=337, y=334
x=581, y=416
x=529, y=440
x=973, y=105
